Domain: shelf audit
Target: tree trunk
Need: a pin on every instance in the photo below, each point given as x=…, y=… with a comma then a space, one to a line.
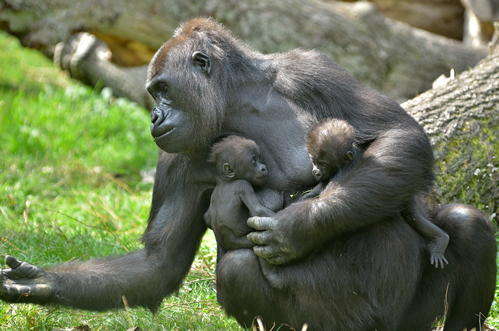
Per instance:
x=462, y=120
x=460, y=117
x=389, y=56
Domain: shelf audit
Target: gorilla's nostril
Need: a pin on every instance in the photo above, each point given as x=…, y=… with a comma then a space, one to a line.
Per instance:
x=156, y=114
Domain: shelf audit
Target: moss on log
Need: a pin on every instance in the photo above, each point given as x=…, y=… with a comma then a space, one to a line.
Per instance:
x=462, y=119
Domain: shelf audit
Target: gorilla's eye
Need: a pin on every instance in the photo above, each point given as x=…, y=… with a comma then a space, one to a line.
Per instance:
x=162, y=87
x=152, y=93
x=157, y=90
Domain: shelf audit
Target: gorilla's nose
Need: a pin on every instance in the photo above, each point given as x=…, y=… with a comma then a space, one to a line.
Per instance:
x=157, y=117
x=156, y=114
x=317, y=174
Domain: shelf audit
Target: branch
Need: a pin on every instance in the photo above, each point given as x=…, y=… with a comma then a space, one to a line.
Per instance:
x=389, y=56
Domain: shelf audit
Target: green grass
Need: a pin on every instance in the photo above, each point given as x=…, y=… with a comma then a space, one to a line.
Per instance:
x=70, y=188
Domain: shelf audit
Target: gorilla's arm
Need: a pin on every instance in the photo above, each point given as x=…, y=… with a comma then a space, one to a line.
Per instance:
x=249, y=198
x=392, y=169
x=145, y=277
x=91, y=285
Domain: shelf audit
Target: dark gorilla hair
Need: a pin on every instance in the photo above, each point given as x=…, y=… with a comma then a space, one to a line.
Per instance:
x=347, y=259
x=232, y=148
x=205, y=101
x=331, y=137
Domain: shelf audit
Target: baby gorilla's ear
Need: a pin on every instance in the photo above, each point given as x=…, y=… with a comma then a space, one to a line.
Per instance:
x=229, y=171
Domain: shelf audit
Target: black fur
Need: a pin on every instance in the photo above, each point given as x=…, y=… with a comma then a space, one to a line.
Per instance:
x=240, y=169
x=355, y=263
x=331, y=148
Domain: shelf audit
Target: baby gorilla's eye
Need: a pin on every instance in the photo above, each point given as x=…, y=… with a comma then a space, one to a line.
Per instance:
x=253, y=160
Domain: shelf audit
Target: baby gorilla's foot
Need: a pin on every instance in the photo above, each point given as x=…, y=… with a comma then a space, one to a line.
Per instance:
x=437, y=248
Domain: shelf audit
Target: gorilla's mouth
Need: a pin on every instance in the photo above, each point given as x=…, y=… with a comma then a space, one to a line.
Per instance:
x=161, y=135
x=160, y=126
x=261, y=179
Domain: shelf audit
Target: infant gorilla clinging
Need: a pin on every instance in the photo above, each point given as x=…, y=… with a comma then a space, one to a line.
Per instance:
x=233, y=200
x=331, y=148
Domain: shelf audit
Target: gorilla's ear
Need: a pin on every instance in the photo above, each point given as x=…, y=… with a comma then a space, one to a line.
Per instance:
x=229, y=171
x=202, y=61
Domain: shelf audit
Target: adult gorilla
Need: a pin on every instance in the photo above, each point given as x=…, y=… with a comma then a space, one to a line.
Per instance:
x=350, y=261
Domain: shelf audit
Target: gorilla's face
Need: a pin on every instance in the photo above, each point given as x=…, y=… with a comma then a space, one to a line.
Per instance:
x=185, y=119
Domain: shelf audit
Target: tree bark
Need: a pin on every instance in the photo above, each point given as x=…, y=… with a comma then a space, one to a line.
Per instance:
x=87, y=59
x=389, y=56
x=462, y=120
x=460, y=117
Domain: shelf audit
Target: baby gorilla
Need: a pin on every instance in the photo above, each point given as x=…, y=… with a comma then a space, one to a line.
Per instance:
x=331, y=148
x=233, y=200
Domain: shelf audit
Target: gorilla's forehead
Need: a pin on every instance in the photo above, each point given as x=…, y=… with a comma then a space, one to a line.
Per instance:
x=171, y=54
x=178, y=50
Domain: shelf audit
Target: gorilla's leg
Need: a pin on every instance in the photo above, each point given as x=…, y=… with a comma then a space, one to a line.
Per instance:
x=361, y=281
x=474, y=249
x=462, y=292
x=243, y=291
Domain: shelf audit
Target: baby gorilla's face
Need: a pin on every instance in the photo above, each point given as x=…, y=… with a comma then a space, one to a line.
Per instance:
x=254, y=171
x=322, y=168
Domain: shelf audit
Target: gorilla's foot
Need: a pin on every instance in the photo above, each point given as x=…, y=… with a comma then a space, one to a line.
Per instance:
x=437, y=248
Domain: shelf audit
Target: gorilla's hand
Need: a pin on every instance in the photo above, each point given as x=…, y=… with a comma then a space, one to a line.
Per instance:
x=275, y=243
x=24, y=282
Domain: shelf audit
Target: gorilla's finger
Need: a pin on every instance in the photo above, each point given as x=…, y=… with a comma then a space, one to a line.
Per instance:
x=12, y=292
x=12, y=262
x=17, y=290
x=261, y=238
x=22, y=270
x=265, y=252
x=261, y=223
x=278, y=259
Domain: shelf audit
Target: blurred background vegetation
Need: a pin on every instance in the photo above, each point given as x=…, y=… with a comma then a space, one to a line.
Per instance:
x=71, y=159
x=74, y=185
x=75, y=161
